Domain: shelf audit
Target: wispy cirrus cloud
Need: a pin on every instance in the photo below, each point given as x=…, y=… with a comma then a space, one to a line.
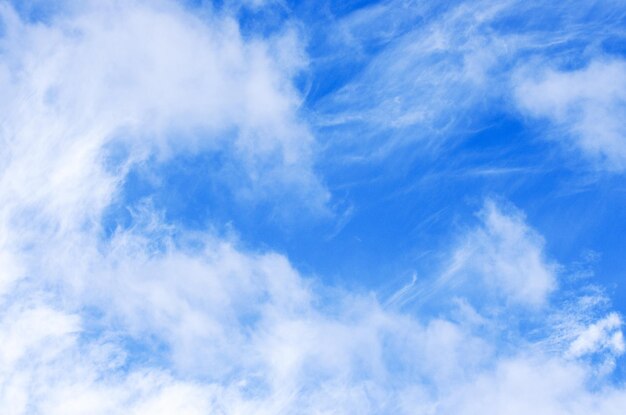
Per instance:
x=437, y=72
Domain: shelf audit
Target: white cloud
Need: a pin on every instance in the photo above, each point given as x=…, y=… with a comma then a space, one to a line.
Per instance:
x=603, y=334
x=435, y=67
x=154, y=78
x=154, y=321
x=502, y=258
x=539, y=386
x=509, y=255
x=437, y=73
x=145, y=79
x=588, y=106
x=229, y=331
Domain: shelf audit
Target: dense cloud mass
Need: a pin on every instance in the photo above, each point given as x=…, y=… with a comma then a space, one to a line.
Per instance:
x=152, y=317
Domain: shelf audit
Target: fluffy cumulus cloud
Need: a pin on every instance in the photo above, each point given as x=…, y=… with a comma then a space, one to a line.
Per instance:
x=213, y=329
x=154, y=319
x=87, y=96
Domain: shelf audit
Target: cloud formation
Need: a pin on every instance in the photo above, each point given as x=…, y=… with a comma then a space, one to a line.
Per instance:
x=154, y=318
x=219, y=330
x=586, y=105
x=439, y=72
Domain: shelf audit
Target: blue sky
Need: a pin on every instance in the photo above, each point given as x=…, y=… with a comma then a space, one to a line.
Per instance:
x=274, y=207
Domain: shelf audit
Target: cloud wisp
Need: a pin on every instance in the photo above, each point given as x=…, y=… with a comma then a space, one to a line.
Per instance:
x=438, y=73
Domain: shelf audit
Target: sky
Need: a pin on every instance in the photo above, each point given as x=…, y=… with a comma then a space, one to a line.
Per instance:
x=312, y=207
